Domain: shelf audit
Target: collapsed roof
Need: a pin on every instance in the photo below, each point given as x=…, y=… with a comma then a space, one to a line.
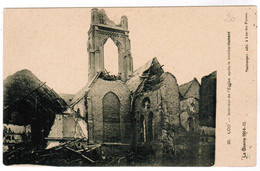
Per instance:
x=26, y=95
x=151, y=67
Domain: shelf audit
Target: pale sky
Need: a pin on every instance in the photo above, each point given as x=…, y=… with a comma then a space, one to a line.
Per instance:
x=52, y=42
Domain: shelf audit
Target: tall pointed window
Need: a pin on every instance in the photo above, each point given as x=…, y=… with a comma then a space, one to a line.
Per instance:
x=111, y=118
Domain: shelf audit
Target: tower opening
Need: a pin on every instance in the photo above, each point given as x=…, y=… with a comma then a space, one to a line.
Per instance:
x=111, y=57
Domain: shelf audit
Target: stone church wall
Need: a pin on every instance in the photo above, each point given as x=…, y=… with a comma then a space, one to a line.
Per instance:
x=95, y=109
x=164, y=104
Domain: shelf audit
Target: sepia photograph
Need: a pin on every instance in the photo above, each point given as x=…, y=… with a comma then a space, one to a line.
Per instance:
x=117, y=86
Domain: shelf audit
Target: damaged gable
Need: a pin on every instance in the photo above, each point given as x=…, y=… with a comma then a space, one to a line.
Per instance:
x=190, y=89
x=151, y=69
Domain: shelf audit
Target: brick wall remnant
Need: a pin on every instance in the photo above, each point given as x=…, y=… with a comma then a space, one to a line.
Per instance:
x=208, y=100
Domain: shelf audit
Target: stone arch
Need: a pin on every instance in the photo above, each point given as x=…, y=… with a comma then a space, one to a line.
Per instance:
x=116, y=41
x=111, y=118
x=150, y=127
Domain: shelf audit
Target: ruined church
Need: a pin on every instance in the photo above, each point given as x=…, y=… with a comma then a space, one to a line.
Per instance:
x=145, y=106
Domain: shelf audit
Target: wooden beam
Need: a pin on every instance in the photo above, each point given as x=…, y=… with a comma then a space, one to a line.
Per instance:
x=85, y=157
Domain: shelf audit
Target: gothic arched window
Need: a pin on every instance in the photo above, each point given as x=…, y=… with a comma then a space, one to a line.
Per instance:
x=111, y=118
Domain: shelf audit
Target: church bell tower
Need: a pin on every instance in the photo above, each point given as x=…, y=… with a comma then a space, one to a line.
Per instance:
x=101, y=29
